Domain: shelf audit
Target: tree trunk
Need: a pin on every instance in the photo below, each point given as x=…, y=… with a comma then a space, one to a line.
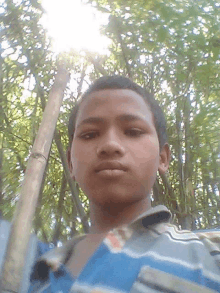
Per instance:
x=21, y=226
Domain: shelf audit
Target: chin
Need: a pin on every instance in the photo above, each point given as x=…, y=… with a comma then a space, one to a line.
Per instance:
x=117, y=199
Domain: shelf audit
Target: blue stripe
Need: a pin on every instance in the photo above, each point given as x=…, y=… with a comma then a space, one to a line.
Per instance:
x=119, y=270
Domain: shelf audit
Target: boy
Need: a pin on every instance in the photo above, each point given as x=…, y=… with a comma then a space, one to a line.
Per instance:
x=118, y=143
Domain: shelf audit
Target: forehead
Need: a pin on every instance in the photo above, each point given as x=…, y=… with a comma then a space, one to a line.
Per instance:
x=113, y=102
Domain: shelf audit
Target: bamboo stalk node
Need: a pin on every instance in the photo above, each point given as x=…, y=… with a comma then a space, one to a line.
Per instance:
x=37, y=155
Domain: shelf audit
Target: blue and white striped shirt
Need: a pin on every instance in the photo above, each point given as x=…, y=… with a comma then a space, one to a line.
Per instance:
x=148, y=255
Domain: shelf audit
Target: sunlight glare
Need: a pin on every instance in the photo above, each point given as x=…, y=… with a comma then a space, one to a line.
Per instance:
x=73, y=25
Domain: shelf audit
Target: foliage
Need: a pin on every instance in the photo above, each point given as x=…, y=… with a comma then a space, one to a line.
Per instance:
x=170, y=47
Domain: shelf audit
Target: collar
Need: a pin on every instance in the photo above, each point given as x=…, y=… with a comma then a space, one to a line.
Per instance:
x=56, y=257
x=154, y=215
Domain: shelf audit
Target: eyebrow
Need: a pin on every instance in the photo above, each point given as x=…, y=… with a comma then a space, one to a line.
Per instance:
x=123, y=117
x=130, y=117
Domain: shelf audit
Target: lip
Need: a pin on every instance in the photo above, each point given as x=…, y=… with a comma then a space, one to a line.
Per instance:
x=110, y=166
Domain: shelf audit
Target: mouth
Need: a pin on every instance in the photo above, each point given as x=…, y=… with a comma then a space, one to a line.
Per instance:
x=112, y=169
x=110, y=166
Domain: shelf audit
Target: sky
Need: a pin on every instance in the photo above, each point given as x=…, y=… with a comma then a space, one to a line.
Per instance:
x=73, y=25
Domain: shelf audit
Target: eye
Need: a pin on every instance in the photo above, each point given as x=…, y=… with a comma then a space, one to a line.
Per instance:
x=89, y=135
x=134, y=132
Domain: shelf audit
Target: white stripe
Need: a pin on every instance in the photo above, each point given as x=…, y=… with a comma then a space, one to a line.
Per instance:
x=179, y=262
x=86, y=288
x=176, y=233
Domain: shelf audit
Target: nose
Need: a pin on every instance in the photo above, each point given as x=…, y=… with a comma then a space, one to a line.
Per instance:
x=110, y=145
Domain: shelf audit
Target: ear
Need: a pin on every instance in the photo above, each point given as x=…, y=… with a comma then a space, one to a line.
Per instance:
x=70, y=165
x=164, y=159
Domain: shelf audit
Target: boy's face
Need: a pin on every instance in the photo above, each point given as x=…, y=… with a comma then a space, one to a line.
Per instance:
x=115, y=150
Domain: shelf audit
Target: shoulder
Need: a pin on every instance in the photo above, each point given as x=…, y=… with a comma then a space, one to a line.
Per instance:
x=211, y=240
x=189, y=256
x=50, y=259
x=200, y=246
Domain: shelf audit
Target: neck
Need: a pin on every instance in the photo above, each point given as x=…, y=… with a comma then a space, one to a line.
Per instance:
x=104, y=219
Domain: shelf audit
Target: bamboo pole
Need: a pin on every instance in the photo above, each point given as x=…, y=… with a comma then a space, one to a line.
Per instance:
x=71, y=183
x=75, y=193
x=26, y=206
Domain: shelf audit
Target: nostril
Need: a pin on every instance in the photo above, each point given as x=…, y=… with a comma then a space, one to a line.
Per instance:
x=112, y=148
x=104, y=152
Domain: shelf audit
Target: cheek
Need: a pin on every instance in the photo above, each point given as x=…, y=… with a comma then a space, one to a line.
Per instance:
x=82, y=152
x=75, y=156
x=78, y=172
x=147, y=151
x=80, y=160
x=146, y=160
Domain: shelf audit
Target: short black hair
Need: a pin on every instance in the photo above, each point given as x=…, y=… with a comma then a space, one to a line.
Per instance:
x=121, y=82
